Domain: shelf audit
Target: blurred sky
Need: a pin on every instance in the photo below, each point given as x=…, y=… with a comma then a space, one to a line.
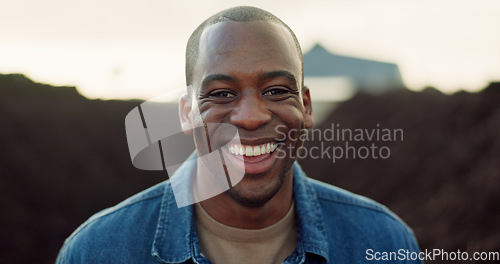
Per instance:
x=135, y=49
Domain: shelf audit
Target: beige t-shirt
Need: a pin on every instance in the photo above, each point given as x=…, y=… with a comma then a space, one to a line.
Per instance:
x=225, y=244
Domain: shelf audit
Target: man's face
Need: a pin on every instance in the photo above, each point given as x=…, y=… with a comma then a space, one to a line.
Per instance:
x=248, y=74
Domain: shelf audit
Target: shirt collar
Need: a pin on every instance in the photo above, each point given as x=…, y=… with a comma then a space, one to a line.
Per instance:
x=174, y=238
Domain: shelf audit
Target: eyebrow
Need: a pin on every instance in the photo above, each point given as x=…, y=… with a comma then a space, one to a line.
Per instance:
x=216, y=77
x=265, y=76
x=274, y=74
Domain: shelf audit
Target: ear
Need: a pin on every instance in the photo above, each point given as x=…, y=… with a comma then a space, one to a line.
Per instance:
x=184, y=114
x=306, y=100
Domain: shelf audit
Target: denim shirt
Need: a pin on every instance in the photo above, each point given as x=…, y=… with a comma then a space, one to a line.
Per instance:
x=333, y=226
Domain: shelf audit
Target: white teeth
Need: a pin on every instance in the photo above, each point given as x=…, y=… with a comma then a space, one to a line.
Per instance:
x=250, y=151
x=242, y=151
x=256, y=151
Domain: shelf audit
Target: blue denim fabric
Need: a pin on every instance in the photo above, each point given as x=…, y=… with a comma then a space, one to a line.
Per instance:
x=334, y=226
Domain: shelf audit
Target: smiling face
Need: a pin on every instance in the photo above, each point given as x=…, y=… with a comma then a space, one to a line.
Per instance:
x=248, y=74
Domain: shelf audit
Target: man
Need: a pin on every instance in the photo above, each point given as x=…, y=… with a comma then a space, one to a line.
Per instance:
x=244, y=68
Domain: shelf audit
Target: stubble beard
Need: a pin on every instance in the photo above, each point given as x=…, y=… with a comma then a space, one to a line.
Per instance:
x=260, y=199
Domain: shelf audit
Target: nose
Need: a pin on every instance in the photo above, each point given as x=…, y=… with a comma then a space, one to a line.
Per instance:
x=251, y=112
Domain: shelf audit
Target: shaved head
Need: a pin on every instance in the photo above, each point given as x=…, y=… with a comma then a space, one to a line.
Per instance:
x=237, y=14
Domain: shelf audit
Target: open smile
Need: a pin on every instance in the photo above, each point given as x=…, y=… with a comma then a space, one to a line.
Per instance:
x=251, y=159
x=250, y=151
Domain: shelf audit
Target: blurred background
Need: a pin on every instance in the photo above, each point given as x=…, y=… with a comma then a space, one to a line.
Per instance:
x=71, y=71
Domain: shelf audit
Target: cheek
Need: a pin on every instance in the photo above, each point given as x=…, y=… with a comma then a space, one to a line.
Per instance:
x=291, y=124
x=214, y=113
x=291, y=116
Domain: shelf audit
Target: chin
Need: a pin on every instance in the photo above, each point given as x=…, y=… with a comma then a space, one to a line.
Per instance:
x=250, y=200
x=252, y=194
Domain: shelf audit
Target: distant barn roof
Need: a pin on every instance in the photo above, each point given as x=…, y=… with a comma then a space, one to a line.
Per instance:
x=366, y=74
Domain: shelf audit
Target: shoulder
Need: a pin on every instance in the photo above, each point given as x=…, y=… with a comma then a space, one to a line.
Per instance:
x=143, y=203
x=332, y=196
x=357, y=218
x=123, y=226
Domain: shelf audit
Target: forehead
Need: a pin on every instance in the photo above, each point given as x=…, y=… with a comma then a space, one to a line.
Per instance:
x=246, y=48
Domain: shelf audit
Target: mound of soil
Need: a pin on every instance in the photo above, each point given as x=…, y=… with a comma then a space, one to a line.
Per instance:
x=442, y=175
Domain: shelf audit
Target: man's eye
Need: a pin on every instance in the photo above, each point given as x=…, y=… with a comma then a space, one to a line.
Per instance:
x=222, y=94
x=276, y=91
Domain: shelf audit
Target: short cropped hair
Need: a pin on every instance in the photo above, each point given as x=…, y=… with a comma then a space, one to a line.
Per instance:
x=237, y=14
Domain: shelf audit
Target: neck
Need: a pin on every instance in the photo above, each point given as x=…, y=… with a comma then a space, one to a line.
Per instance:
x=234, y=214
